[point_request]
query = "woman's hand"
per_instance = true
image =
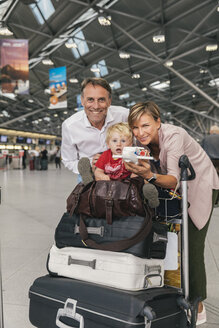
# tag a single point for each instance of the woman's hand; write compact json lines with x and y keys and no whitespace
{"x":142,"y":169}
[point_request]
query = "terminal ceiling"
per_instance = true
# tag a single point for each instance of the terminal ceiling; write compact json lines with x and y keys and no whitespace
{"x":189,"y":96}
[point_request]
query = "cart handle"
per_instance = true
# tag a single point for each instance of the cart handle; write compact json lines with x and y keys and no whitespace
{"x":187,"y":171}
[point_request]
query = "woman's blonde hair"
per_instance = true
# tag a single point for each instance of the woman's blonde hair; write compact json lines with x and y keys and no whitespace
{"x":147,"y":107}
{"x":121,"y":128}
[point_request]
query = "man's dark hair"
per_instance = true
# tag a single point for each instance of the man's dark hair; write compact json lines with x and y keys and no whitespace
{"x":96,"y":81}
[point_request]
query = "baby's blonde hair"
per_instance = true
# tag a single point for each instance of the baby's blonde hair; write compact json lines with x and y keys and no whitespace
{"x":121,"y":128}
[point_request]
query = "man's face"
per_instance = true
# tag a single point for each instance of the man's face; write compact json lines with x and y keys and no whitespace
{"x":96,"y":101}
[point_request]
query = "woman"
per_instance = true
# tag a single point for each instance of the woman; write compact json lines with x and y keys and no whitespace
{"x":167,"y":143}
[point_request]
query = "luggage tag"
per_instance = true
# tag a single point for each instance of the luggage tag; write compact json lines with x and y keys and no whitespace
{"x":171,"y":259}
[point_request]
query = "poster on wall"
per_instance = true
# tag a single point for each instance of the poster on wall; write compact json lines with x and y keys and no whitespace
{"x":79,"y":104}
{"x":14,"y":66}
{"x":58,"y":87}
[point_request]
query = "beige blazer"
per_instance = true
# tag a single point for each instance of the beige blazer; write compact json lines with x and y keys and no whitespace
{"x":174,"y":142}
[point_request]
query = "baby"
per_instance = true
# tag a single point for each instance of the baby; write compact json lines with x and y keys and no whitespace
{"x":118,"y":136}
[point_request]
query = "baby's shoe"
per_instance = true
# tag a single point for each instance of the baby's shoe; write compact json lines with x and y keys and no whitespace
{"x":84,"y":168}
{"x":151,"y":195}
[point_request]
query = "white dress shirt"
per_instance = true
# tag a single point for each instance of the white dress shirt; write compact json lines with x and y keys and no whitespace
{"x":81,"y":139}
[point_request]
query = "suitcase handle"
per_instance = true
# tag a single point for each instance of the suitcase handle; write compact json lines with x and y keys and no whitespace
{"x":69,"y":311}
{"x":91,"y":264}
{"x":91,"y":230}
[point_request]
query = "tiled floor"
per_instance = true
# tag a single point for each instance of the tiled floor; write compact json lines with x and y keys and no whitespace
{"x":32,"y":205}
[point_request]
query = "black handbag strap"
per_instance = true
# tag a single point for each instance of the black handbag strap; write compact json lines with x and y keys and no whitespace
{"x":116,"y":246}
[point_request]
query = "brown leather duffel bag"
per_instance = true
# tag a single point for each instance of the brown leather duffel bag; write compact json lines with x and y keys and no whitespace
{"x":109,"y":199}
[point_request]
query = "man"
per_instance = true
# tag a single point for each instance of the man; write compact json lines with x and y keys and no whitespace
{"x":211,"y":145}
{"x":84,"y":133}
{"x":24,"y":157}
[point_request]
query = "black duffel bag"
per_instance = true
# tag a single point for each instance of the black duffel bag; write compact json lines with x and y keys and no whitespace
{"x":122,"y":232}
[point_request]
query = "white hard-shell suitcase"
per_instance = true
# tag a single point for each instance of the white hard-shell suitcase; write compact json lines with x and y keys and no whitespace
{"x":113,"y":269}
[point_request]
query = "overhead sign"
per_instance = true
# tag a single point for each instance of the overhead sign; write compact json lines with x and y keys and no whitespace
{"x":58,"y":87}
{"x":14,"y":66}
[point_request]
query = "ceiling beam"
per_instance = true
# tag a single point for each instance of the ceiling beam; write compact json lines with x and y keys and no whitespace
{"x":191,"y":32}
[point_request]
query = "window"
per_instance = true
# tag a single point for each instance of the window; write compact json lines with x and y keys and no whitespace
{"x":115,"y":85}
{"x":100,"y":69}
{"x":46,"y":8}
{"x":124,"y":96}
{"x":82,"y":47}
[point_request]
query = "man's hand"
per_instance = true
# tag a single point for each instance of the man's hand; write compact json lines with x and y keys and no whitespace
{"x":94,"y":160}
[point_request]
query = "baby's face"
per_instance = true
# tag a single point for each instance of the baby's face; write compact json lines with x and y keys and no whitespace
{"x":117,"y":142}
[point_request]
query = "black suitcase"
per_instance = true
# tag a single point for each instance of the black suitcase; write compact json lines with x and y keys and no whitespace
{"x":62,"y":302}
{"x":44,"y":164}
{"x":153,"y":246}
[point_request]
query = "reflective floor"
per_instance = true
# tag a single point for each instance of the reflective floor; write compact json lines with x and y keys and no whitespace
{"x":32,"y":205}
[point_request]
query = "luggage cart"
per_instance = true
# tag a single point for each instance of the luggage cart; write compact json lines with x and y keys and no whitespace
{"x":187,"y":174}
{"x":62,"y":302}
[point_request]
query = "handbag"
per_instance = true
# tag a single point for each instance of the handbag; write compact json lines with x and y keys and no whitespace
{"x":109,"y":199}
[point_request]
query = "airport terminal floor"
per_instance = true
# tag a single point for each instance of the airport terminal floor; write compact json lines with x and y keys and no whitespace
{"x":32,"y":205}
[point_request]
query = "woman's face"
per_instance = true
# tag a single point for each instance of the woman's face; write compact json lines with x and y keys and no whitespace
{"x":146,"y":129}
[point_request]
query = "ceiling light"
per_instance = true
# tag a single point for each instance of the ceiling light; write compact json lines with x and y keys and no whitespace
{"x":144,"y":89}
{"x":47,"y":62}
{"x":211,"y":47}
{"x":73,"y":80}
{"x":105,"y":21}
{"x":159,"y":38}
{"x":193,"y":96}
{"x":169,"y":63}
{"x":203,"y":71}
{"x":5,"y":31}
{"x":160,"y":85}
{"x":214,"y":82}
{"x":218,"y":8}
{"x":95,"y":70}
{"x":71,"y":45}
{"x":30,"y":100}
{"x":65,"y":112}
{"x":55,"y":115}
{"x":124,"y":55}
{"x":48,"y":91}
{"x":136,"y":76}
